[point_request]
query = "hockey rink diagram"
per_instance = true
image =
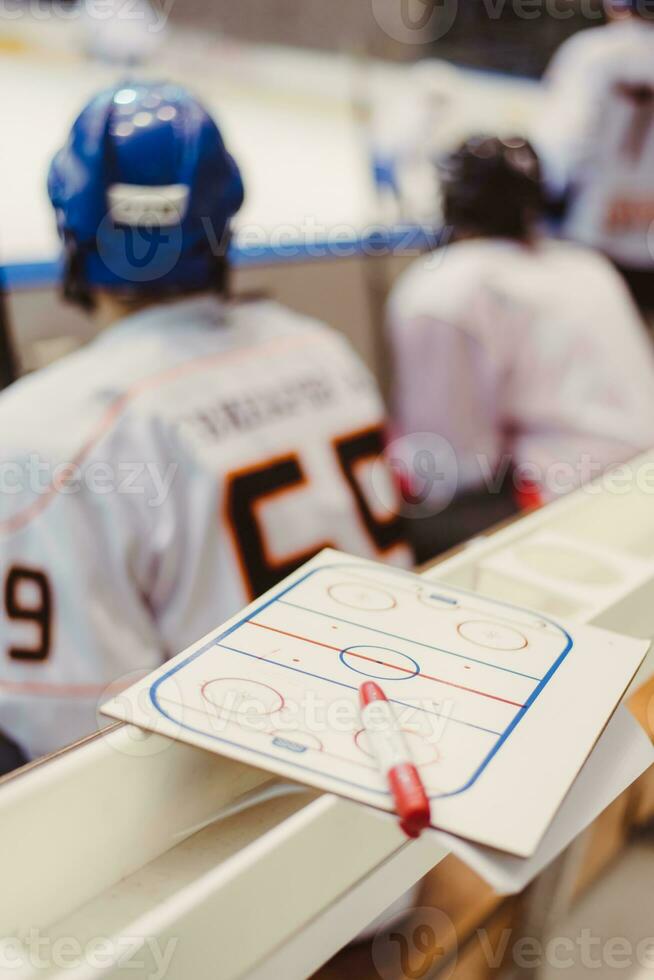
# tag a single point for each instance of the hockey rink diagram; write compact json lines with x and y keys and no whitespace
{"x":283,"y":681}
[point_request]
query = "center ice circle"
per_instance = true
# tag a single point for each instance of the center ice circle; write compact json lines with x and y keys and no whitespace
{"x":380,"y":663}
{"x":236,"y":697}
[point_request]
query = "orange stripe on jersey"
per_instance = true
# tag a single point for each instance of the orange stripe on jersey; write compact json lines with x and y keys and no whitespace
{"x":122,"y":402}
{"x":45,"y":690}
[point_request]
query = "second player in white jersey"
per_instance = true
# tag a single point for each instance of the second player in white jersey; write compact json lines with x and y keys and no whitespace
{"x":519,"y":352}
{"x":530,"y":353}
{"x":194,"y":454}
{"x":596,"y":138}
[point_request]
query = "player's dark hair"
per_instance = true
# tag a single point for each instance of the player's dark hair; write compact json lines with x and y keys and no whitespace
{"x":77,"y":291}
{"x":492,"y":187}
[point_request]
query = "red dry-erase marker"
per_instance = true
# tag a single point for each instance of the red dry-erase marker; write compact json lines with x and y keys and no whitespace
{"x":391,"y":752}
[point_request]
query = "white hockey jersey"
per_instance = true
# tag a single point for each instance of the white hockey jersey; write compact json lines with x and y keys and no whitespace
{"x":157,"y":480}
{"x":529,"y":356}
{"x":596,"y":138}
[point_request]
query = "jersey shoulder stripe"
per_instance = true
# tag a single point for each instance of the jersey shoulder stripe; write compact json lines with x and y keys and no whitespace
{"x":110,"y":416}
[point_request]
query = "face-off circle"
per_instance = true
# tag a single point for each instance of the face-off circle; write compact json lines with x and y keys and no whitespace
{"x":239,"y":697}
{"x":380,"y":663}
{"x":422,"y":752}
{"x":365,"y":597}
{"x":493,"y":636}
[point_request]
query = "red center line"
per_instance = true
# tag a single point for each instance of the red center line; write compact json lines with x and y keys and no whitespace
{"x":374,"y":660}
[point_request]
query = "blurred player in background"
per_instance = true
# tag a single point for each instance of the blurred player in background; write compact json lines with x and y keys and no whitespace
{"x":193,"y":455}
{"x":527,"y":357}
{"x":596,"y":140}
{"x":123,"y":32}
{"x":412,"y":122}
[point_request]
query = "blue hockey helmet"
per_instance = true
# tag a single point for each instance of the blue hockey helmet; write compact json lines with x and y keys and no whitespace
{"x":144,"y":190}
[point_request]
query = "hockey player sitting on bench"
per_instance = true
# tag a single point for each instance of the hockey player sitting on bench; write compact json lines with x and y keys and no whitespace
{"x":194,"y":454}
{"x":526,"y":358}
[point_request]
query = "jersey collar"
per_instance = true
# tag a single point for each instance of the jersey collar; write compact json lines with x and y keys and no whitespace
{"x":204,"y":312}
